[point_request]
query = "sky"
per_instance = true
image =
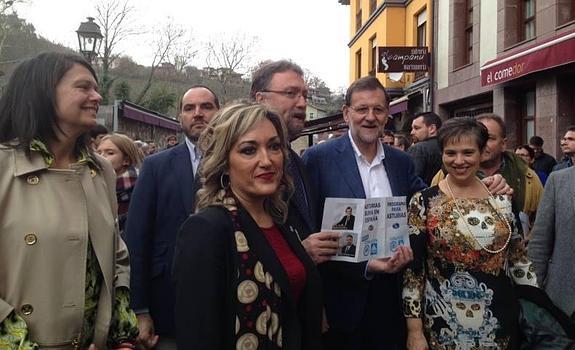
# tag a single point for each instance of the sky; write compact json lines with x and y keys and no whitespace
{"x":312,"y":33}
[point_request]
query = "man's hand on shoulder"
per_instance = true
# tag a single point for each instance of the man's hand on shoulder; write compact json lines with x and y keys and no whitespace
{"x":497,"y":185}
{"x":321,"y":246}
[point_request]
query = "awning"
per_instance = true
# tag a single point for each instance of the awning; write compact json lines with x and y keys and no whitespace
{"x":135,"y":112}
{"x":398,"y":105}
{"x":551,"y":53}
{"x":329,"y":123}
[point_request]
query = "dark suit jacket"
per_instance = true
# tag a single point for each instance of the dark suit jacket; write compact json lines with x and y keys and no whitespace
{"x":426,"y":157}
{"x":345,"y":222}
{"x":162,"y":200}
{"x":350,"y":251}
{"x":332,"y":171}
{"x":300,"y":212}
{"x":205,"y":271}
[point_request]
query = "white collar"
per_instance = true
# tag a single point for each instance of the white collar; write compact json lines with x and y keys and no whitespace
{"x":191,"y":148}
{"x":380,"y":155}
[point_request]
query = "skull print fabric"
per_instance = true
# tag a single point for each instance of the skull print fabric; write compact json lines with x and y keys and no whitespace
{"x":456,"y":284}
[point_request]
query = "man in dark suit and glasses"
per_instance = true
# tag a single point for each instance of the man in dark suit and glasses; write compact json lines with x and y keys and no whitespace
{"x":162,"y":200}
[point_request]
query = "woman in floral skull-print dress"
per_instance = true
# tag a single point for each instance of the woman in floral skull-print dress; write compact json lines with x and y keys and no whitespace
{"x":458,"y":294}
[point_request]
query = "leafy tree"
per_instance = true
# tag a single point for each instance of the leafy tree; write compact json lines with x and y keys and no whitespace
{"x":122,"y":90}
{"x":161,"y":100}
{"x":5,"y":26}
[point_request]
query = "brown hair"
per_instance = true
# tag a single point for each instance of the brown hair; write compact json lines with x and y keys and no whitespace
{"x":127,"y":147}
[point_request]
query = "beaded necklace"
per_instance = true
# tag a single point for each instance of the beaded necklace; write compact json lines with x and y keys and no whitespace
{"x":460,"y":213}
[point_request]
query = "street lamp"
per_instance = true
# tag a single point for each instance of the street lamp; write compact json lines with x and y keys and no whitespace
{"x":89,"y":39}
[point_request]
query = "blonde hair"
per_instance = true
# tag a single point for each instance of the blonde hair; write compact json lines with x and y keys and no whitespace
{"x":216,"y":142}
{"x":127,"y":147}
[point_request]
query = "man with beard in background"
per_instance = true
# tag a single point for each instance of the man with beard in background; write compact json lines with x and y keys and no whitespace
{"x":162,"y":199}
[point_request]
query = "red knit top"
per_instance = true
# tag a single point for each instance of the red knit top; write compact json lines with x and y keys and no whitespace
{"x":290,"y":262}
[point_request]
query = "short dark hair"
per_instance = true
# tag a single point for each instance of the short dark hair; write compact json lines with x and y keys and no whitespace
{"x":198,"y":86}
{"x":362,"y":84}
{"x":263,"y":75}
{"x":457,"y":128}
{"x":28,"y":105}
{"x":536,"y":141}
{"x":528,"y":149}
{"x":349,"y":236}
{"x":387,"y":132}
{"x":495,"y":118}
{"x":99,"y":129}
{"x":570,"y":128}
{"x":430,"y":118}
{"x":403,"y":140}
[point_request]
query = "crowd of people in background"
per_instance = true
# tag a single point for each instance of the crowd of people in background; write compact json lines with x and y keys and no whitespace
{"x":213,"y":241}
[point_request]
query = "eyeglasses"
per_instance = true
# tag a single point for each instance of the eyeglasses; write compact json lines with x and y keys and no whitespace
{"x":364,"y":110}
{"x":291,"y":94}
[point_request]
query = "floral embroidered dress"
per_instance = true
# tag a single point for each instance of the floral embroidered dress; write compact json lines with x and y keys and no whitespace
{"x":457,"y":283}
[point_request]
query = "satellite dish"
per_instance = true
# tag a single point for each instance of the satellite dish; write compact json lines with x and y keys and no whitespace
{"x":395,"y":76}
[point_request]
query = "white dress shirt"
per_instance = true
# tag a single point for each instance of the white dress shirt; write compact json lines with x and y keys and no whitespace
{"x":373,"y":175}
{"x":195,"y":155}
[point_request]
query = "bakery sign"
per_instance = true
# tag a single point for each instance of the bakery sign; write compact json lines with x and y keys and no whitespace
{"x":402,"y":59}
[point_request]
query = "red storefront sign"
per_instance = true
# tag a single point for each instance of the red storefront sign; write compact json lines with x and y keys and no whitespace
{"x":554,"y":52}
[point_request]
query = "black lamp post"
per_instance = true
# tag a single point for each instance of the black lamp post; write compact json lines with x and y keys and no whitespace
{"x":89,"y":39}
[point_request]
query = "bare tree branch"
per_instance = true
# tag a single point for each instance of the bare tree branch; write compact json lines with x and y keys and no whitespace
{"x":166,"y":38}
{"x":228,"y":58}
{"x":183,"y":51}
{"x":115,"y":20}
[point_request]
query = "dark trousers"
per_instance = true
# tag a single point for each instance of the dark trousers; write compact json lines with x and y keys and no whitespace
{"x":382,"y":326}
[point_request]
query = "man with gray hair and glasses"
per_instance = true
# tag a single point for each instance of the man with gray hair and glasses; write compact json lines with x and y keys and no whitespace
{"x":279,"y":86}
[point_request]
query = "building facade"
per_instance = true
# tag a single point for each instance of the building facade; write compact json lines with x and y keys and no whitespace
{"x":383,"y":23}
{"x":514,"y":58}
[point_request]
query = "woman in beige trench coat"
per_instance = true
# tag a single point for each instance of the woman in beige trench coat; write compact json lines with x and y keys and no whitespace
{"x":64,"y":272}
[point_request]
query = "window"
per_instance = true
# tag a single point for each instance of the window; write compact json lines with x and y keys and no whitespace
{"x":421,"y":30}
{"x":358,"y":64}
{"x":372,"y":6}
{"x":421,"y":39}
{"x":358,"y":23}
{"x":528,"y":19}
{"x":462,"y":33}
{"x":565,"y":11}
{"x":372,"y":56}
{"x":519,"y":23}
{"x":528,"y":117}
{"x":468,"y":54}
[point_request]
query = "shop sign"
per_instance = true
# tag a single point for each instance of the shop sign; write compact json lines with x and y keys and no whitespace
{"x":553,"y":53}
{"x":403,"y":59}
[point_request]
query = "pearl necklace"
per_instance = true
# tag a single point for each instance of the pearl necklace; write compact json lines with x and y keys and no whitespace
{"x":502,"y":217}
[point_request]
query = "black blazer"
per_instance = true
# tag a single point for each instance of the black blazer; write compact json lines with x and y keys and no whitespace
{"x":301,"y":214}
{"x":205,"y":275}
